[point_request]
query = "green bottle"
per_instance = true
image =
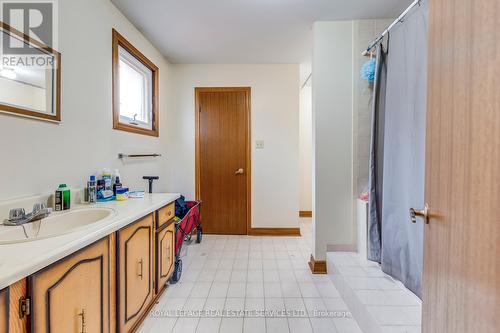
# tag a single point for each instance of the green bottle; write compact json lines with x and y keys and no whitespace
{"x":63,"y":198}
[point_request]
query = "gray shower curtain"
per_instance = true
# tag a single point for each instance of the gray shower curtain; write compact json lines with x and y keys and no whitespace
{"x":404,"y":149}
{"x":377,"y":157}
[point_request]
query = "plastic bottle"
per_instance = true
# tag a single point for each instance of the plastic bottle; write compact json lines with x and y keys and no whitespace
{"x":107,"y":177}
{"x":92,"y":190}
{"x":117,"y":183}
{"x":62,"y":198}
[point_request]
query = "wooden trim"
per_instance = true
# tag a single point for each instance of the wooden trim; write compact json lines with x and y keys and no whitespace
{"x":57,"y":76}
{"x":119,"y":40}
{"x":274,"y":232}
{"x":248,"y":91}
{"x":305,"y":213}
{"x":17,"y":291}
{"x":6,"y":314}
{"x":317,"y":266}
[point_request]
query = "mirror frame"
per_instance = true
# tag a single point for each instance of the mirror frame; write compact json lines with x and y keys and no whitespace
{"x":19,"y":111}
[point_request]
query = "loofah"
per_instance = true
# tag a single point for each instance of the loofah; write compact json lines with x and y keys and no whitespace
{"x":368,"y":70}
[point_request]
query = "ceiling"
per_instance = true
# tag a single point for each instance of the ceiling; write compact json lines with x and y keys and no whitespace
{"x":243,"y":31}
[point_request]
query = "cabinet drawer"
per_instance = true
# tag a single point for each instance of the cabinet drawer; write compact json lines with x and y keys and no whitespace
{"x":73,"y":295}
{"x":135,"y":272}
{"x":165,"y":214}
{"x":164,"y":256}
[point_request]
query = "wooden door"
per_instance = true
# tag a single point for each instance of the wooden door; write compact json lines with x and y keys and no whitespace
{"x":135,"y":277}
{"x":164,"y":255}
{"x":223,"y":158}
{"x":461,"y":278}
{"x":4,"y":310}
{"x":73,"y":295}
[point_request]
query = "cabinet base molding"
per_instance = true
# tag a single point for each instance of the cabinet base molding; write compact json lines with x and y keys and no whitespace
{"x":317,"y":266}
{"x":274,"y":232}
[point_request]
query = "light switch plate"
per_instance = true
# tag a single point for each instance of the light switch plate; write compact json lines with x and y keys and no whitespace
{"x":259,"y":144}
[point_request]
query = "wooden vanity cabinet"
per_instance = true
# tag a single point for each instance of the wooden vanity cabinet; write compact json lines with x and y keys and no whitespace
{"x":4,"y":310}
{"x":135,"y":272}
{"x":74,"y":294}
{"x":165,"y":255}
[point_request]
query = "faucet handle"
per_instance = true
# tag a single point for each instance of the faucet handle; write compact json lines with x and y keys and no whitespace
{"x":38,"y":207}
{"x":16,"y":214}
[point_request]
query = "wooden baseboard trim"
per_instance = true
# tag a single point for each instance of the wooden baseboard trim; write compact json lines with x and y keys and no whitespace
{"x":317,"y":266}
{"x":305,"y":213}
{"x":274,"y":232}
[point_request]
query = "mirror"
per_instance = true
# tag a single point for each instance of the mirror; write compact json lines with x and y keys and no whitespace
{"x":29,"y":80}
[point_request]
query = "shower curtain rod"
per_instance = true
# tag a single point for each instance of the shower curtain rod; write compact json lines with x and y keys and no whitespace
{"x":386,"y":31}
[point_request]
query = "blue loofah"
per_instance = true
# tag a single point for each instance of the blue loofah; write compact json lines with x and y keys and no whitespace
{"x":368,"y":70}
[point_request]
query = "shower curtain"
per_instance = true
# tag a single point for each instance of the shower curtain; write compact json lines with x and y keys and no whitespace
{"x":404,"y":149}
{"x":377,"y":157}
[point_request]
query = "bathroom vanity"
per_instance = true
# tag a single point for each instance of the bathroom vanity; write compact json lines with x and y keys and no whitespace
{"x":100,"y":277}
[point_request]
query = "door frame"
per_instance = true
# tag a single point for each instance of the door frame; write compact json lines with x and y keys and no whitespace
{"x":248,"y":91}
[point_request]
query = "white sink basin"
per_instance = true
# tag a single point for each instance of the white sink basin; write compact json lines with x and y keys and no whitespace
{"x":55,"y":225}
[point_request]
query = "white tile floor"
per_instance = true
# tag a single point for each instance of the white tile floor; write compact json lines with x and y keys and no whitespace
{"x":251,"y":284}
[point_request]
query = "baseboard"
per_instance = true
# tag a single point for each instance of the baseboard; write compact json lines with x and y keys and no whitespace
{"x":305,"y":213}
{"x":317,"y":266}
{"x":274,"y":232}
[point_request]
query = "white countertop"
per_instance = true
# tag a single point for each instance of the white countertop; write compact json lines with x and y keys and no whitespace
{"x":20,"y":260}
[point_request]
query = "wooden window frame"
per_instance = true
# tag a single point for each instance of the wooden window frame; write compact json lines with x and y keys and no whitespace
{"x":119,"y":40}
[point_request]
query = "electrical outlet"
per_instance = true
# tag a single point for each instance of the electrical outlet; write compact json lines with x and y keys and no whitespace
{"x":259,"y":144}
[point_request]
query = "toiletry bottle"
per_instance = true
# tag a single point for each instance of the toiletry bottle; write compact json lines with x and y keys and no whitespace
{"x":100,"y":189}
{"x":117,"y":184}
{"x":92,"y":190}
{"x":107,"y":177}
{"x":62,"y":198}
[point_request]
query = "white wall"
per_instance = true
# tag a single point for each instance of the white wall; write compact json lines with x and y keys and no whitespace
{"x":305,"y":136}
{"x":332,"y":135}
{"x":275,"y":119}
{"x":36,"y":155}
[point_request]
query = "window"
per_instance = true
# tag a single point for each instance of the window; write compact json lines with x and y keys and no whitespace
{"x":135,"y":89}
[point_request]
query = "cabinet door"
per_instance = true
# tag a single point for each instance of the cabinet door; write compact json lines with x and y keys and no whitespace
{"x":135,"y":277}
{"x":73,"y":295}
{"x":4,"y":310}
{"x":164,"y":256}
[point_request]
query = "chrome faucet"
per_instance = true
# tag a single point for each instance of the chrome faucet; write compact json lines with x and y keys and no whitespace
{"x":18,"y":216}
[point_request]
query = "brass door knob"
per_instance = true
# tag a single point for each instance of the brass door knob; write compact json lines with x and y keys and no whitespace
{"x":240,"y":171}
{"x":423,"y":213}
